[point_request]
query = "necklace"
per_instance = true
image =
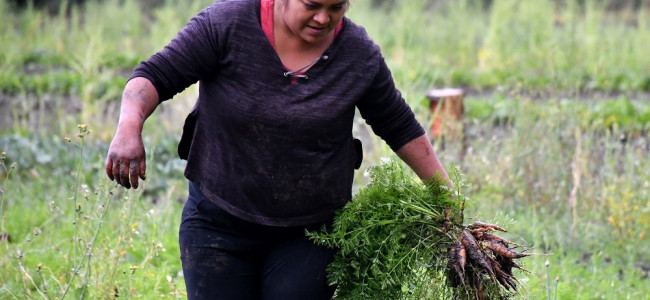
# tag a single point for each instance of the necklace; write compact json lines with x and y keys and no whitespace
{"x":294,"y":73}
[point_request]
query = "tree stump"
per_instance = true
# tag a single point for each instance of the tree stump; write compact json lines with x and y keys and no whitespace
{"x":446,"y":112}
{"x":446,"y":123}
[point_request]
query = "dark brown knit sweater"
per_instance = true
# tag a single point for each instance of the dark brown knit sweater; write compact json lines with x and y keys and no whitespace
{"x":263,"y":148}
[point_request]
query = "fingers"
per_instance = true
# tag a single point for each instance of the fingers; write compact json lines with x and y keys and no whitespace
{"x":124,"y":175}
{"x":126,"y":170}
{"x":109,"y":168}
{"x":134,"y":169}
{"x":119,"y":172}
{"x":115,"y":171}
{"x":143,"y":169}
{"x":126,"y":159}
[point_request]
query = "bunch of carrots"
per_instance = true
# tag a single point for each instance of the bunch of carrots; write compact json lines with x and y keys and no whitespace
{"x":398,"y":235}
{"x":480,"y":253}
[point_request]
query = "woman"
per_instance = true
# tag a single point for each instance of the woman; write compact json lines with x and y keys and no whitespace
{"x":269,"y":144}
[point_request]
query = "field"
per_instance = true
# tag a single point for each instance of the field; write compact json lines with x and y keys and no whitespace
{"x":557,"y":112}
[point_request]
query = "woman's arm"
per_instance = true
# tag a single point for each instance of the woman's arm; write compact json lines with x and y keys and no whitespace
{"x":125,"y":161}
{"x":420,"y":156}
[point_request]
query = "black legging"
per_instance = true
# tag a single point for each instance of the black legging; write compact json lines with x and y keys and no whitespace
{"x":225,"y":257}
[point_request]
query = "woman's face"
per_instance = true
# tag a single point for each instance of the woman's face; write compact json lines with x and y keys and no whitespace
{"x":312,"y":20}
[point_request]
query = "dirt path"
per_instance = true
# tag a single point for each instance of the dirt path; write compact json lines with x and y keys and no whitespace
{"x":43,"y":111}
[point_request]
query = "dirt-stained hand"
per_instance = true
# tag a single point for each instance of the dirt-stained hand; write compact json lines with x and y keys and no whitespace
{"x":125,"y":162}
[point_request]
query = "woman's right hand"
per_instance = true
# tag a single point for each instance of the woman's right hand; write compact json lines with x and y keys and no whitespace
{"x":125,"y":162}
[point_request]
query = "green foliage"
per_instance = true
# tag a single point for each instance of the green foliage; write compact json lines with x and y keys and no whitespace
{"x":621,"y":114}
{"x":544,"y":45}
{"x":527,"y":158}
{"x":73,"y":235}
{"x":575,"y":188}
{"x":389,"y":238}
{"x":38,"y":156}
{"x":58,"y":82}
{"x":566,"y":45}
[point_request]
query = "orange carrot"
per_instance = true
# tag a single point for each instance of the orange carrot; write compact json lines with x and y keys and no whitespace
{"x":489,"y":236}
{"x":479,"y":233}
{"x":475,"y":254}
{"x":462,"y":257}
{"x":503,"y":250}
{"x":457,"y":261}
{"x":478,"y":224}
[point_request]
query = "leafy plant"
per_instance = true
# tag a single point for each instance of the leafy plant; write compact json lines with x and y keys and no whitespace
{"x":393,"y":240}
{"x":87,"y":240}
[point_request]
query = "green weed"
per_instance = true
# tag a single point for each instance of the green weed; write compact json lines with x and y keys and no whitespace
{"x":83,"y":240}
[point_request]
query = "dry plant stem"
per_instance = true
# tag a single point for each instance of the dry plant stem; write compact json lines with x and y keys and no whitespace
{"x":121,"y":238}
{"x":23,"y":274}
{"x":151,"y":253}
{"x":44,"y":281}
{"x":116,"y":260}
{"x":77,"y":266}
{"x":31,"y":280}
{"x":77,"y":208}
{"x":460,"y":196}
{"x":133,"y":269}
{"x":576,"y":170}
{"x":14,"y":296}
{"x":92,"y":244}
{"x":88,"y":254}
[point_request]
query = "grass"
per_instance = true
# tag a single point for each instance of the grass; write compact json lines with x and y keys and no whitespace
{"x":565,"y":171}
{"x":574,"y":190}
{"x":534,"y":43}
{"x":84,"y":236}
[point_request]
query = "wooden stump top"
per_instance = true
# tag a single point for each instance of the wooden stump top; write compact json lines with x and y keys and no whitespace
{"x":437,"y":94}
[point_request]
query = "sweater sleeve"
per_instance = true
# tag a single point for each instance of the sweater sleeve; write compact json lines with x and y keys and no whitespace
{"x":384,"y":109}
{"x":190,"y":56}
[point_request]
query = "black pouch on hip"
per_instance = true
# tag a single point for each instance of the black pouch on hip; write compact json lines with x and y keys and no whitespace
{"x":188,"y":133}
{"x":358,"y":148}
